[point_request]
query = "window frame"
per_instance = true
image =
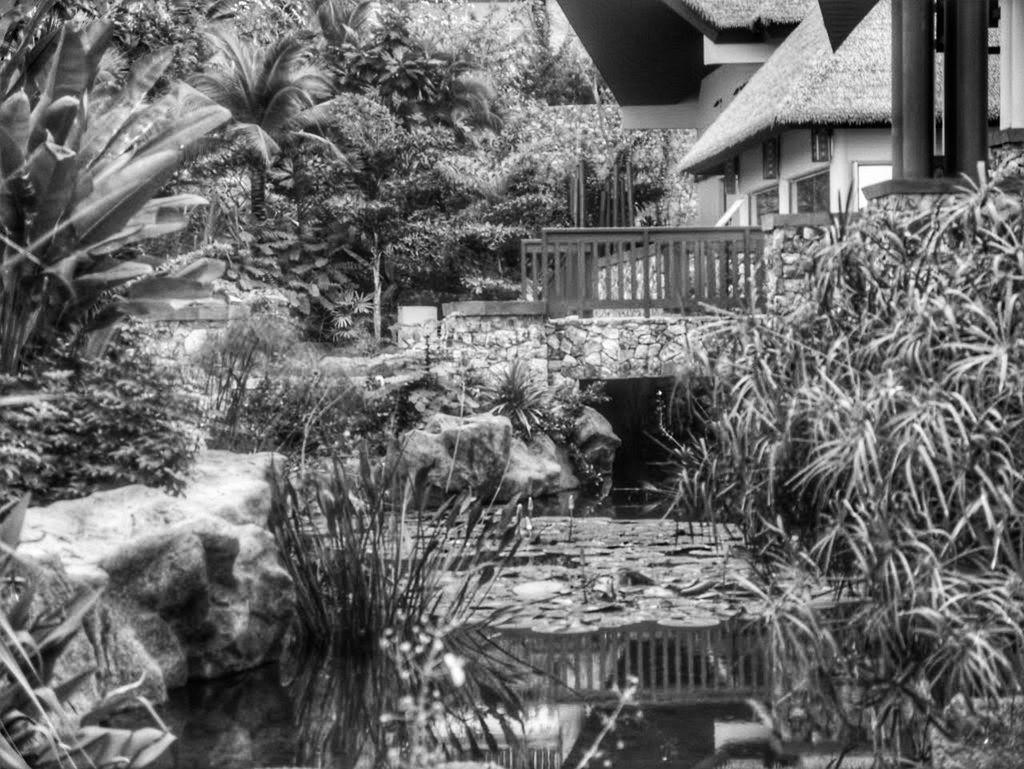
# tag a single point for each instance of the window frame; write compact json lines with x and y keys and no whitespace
{"x":794,"y":198}
{"x":755,"y":219}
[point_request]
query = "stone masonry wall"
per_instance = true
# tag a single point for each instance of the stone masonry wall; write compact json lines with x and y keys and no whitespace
{"x":572,"y":348}
{"x":789,"y":265}
{"x":485,"y":344}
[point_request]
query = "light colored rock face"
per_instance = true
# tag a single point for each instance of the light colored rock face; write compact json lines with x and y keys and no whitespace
{"x":481,"y":453}
{"x":193,"y":585}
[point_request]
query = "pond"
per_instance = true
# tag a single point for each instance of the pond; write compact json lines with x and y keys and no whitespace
{"x":691,"y":701}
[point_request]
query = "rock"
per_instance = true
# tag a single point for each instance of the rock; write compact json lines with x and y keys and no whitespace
{"x":597,"y":441}
{"x":453,"y":454}
{"x":194,"y":586}
{"x":458,"y":453}
{"x":533,"y":469}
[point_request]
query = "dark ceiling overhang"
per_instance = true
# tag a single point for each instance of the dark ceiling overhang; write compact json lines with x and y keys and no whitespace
{"x":646,"y":52}
{"x":843,"y":16}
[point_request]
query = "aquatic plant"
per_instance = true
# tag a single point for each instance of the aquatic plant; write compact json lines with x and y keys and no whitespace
{"x":871,"y":443}
{"x":386,"y":588}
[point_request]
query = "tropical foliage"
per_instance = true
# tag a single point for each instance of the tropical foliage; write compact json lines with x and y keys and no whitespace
{"x":83,"y":160}
{"x":270,"y":92}
{"x":870,"y":444}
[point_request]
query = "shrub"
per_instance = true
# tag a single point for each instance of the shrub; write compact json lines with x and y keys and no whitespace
{"x":119,"y":419}
{"x":875,"y":435}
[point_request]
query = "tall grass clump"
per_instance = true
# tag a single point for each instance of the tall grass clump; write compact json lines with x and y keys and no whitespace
{"x":870,"y":442}
{"x":391,"y":592}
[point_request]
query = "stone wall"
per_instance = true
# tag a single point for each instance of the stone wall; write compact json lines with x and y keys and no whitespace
{"x":789,"y":265}
{"x":484,"y":338}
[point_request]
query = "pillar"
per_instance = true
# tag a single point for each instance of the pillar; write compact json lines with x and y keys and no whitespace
{"x":965,"y":113}
{"x":915,"y":75}
{"x":897,"y":90}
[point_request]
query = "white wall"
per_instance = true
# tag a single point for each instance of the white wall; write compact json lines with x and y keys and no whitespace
{"x":1011,"y":53}
{"x":850,"y":147}
{"x":710,"y":194}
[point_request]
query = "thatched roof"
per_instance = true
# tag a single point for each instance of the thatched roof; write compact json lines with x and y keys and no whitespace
{"x":749,"y":14}
{"x":805,"y":84}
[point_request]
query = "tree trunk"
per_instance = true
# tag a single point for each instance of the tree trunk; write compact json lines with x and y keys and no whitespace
{"x":258,"y":191}
{"x":376,"y":295}
{"x":300,"y":197}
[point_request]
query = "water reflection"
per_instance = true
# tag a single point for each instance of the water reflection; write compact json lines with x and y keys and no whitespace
{"x":312,"y":712}
{"x":620,"y":503}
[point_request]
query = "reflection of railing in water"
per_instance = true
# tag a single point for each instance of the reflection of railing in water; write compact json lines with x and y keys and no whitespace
{"x":528,"y":758}
{"x":671,"y":664}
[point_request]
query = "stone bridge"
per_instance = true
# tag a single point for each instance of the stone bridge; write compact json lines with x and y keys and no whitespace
{"x":483,"y":337}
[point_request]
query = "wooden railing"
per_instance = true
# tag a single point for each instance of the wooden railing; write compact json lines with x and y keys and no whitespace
{"x":670,"y":664}
{"x":642,"y":269}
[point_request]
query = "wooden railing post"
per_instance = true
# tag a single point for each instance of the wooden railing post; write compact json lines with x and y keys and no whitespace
{"x":645,"y":255}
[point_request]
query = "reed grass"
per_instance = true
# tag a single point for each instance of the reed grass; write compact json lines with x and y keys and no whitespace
{"x":386,"y":588}
{"x":871,"y":444}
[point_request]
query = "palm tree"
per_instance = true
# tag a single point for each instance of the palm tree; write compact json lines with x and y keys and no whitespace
{"x":271,"y":92}
{"x":344,"y":22}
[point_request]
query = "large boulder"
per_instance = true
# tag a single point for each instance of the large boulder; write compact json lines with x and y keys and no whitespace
{"x":481,"y":453}
{"x":193,"y":586}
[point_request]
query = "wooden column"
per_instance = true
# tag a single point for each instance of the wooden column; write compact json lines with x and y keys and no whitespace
{"x":966,"y":85}
{"x":917,"y":86}
{"x":897,"y":90}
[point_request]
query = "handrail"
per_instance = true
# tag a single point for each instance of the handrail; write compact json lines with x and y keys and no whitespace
{"x":676,"y":269}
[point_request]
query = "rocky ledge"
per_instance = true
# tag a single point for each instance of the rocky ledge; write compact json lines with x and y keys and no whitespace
{"x":193,"y":587}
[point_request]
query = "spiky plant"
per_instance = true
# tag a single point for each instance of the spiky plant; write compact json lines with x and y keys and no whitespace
{"x":393,"y":588}
{"x":873,"y":439}
{"x":516,"y":394}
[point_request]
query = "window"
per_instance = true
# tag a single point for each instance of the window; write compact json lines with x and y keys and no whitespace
{"x":763,"y":203}
{"x":732,"y":174}
{"x":821,"y":145}
{"x":811,"y":194}
{"x":770,"y":158}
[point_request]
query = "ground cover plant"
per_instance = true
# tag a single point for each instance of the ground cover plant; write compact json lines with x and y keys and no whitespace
{"x":870,"y":444}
